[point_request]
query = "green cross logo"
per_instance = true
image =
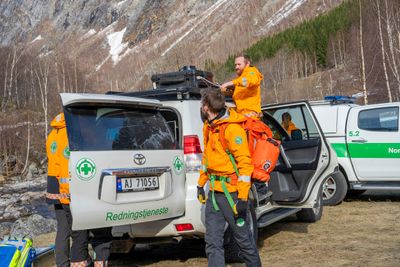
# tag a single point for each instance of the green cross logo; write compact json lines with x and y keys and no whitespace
{"x":239,"y":140}
{"x":85,"y":169}
{"x":66,"y":152}
{"x":178,"y":165}
{"x":53,"y":147}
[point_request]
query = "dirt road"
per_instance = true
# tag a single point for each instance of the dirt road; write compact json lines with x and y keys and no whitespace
{"x":361,"y":231}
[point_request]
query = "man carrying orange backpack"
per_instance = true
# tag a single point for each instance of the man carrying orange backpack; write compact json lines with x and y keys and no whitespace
{"x":228,"y":171}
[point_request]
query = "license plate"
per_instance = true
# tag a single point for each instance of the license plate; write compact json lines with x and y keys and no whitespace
{"x":137,"y":184}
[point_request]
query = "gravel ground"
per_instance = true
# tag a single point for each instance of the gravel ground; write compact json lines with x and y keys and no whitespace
{"x":361,"y":231}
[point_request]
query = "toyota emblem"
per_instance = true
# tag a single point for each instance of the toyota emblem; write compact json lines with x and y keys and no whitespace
{"x":139,"y":159}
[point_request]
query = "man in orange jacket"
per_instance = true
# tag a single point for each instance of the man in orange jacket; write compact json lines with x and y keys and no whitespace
{"x":247,"y":97}
{"x":58,"y":194}
{"x":246,"y":92}
{"x":229,"y":174}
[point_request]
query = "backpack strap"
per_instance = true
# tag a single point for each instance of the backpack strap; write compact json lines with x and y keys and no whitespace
{"x":222,"y":129}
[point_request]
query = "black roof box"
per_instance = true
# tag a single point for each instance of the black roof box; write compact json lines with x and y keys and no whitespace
{"x":184,"y":84}
{"x":185,"y":77}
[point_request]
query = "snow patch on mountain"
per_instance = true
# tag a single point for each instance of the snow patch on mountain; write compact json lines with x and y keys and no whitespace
{"x":285,"y":11}
{"x":38,"y":38}
{"x":88,"y":34}
{"x":206,"y":14}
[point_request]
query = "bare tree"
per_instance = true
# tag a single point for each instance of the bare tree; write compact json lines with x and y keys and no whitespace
{"x":27,"y":146}
{"x":42,"y":75}
{"x":363,"y":80}
{"x":394,"y":63}
{"x":381,"y":41}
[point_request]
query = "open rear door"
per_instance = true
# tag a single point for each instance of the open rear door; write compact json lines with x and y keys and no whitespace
{"x":126,"y":165}
{"x":305,"y":154}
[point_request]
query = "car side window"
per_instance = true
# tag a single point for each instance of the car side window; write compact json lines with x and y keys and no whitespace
{"x":379,"y":119}
{"x":277,"y":134}
{"x":297,"y":121}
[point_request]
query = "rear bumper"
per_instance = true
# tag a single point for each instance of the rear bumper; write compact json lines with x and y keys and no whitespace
{"x":194,"y":214}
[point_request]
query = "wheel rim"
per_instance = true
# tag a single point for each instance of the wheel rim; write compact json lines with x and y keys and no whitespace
{"x":329,"y":188}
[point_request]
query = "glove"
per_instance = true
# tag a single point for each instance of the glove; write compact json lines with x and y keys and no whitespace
{"x":201,"y":195}
{"x":241,"y":209}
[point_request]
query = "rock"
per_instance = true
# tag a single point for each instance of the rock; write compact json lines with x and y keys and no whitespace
{"x":6,"y":216}
{"x":9,"y":208}
{"x":5,"y":228}
{"x":33,"y":226}
{"x":29,"y":175}
{"x":33,"y":168}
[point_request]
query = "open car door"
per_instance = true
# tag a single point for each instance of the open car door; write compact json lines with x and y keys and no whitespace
{"x":126,"y":165}
{"x":305,"y":156}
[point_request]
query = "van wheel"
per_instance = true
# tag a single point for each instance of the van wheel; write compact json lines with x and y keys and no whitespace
{"x":230,"y":245}
{"x":313,"y":214}
{"x":334,"y":189}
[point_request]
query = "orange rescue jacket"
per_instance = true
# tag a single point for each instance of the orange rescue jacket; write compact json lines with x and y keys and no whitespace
{"x":216,"y":160}
{"x":290,"y":127}
{"x":247,"y":91}
{"x":58,"y":155}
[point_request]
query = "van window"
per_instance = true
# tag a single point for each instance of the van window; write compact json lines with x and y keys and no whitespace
{"x":109,"y":128}
{"x":297,"y":121}
{"x":379,"y":119}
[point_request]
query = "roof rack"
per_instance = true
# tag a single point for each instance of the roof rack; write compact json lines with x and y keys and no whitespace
{"x":179,"y":93}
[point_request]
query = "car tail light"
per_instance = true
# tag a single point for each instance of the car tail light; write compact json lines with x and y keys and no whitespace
{"x":193,"y":153}
{"x":184,"y":227}
{"x":191,"y":144}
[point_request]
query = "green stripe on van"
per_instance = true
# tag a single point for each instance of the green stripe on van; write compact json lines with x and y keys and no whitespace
{"x":372,"y":150}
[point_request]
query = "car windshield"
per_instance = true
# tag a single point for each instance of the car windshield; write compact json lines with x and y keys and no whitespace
{"x":110,"y":128}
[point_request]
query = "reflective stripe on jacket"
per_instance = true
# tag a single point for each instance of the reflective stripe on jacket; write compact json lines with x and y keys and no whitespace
{"x":216,"y":161}
{"x":58,"y":155}
{"x":247,"y":91}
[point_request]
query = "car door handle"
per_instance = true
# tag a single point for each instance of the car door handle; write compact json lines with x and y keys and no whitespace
{"x":361,"y":140}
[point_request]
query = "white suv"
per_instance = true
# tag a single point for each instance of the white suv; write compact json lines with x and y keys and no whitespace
{"x":135,"y":157}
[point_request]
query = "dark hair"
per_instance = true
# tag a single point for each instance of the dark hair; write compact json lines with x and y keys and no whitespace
{"x":214,"y":99}
{"x":246,"y":57}
{"x":286,"y":114}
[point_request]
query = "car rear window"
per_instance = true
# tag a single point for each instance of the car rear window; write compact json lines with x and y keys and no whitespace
{"x":109,"y":128}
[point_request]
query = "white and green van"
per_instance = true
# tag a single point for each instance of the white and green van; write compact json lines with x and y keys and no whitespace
{"x":367,"y":143}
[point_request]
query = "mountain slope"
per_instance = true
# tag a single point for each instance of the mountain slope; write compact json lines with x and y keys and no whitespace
{"x":123,"y":42}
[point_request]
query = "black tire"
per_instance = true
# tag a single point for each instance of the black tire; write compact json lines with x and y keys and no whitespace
{"x":313,"y":214}
{"x":334,"y":189}
{"x":230,"y":245}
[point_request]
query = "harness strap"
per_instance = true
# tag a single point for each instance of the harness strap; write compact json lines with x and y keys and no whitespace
{"x":212,"y":180}
{"x":228,"y":196}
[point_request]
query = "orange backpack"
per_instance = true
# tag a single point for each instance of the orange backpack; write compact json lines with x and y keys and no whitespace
{"x":264,"y":150}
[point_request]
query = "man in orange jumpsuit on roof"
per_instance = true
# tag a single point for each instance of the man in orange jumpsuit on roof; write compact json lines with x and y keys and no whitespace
{"x":247,"y":97}
{"x":246,"y":92}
